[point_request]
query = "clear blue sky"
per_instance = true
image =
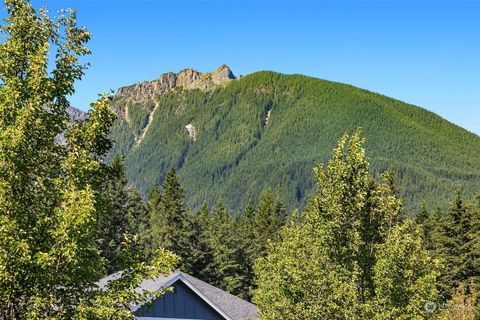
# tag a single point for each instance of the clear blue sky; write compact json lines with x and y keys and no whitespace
{"x":422,"y":52}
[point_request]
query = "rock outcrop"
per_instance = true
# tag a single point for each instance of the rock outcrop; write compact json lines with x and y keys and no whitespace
{"x":143,"y":93}
{"x":192,"y":133}
{"x":267,"y":117}
{"x":185,"y":79}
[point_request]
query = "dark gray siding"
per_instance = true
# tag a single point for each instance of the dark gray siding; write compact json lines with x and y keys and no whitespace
{"x":181,"y":303}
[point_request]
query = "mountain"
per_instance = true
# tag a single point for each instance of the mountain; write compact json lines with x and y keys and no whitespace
{"x":231,"y":137}
{"x":74,"y":115}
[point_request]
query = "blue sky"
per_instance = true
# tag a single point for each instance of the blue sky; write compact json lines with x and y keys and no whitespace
{"x":422,"y":52}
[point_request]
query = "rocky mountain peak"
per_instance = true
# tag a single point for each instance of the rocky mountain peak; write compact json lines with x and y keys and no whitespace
{"x":222,"y":74}
{"x":186,"y":79}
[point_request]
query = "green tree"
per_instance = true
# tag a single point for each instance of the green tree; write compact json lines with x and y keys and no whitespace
{"x":169,"y":220}
{"x":154,"y":232}
{"x":224,"y":244}
{"x":138,"y":220}
{"x":268,"y":218}
{"x":255,"y":228}
{"x":174,"y":213}
{"x":405,"y":275}
{"x":244,"y":226}
{"x":352,"y":213}
{"x":455,"y":242}
{"x":432,"y":225}
{"x":121,"y":213}
{"x":324,"y":265}
{"x":296,"y":281}
{"x":473,"y":245}
{"x":423,"y":215}
{"x":201,"y":253}
{"x":49,"y":259}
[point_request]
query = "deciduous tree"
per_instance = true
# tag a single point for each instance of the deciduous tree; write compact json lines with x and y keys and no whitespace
{"x":325,"y":264}
{"x":49,"y":259}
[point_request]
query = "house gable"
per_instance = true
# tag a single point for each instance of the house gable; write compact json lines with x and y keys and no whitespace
{"x":207,"y":302}
{"x":181,"y":303}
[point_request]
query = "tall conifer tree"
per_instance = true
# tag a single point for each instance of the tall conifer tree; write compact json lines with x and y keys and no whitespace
{"x":201,"y":253}
{"x":244,"y":225}
{"x":169,"y":221}
{"x":113,"y":216}
{"x":455,"y":242}
{"x":153,"y":235}
{"x":268,"y":218}
{"x":224,"y":243}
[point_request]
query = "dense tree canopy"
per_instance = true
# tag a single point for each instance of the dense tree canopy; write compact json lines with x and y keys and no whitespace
{"x":453,"y":237}
{"x":49,"y":192}
{"x":235,"y":155}
{"x":335,"y":261}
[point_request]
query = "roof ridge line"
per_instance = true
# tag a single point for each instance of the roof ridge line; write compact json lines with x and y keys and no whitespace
{"x":197,"y":291}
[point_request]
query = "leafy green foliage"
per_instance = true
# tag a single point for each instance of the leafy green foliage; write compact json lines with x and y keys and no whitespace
{"x":268,"y":218}
{"x":237,"y":154}
{"x":342,"y":257}
{"x":403,"y":275}
{"x":49,"y":192}
{"x":214,"y":245}
{"x":115,"y":301}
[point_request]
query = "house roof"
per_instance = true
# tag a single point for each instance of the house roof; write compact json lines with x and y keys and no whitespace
{"x":229,"y":306}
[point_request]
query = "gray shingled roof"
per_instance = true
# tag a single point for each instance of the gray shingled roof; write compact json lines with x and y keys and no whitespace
{"x":232,"y":306}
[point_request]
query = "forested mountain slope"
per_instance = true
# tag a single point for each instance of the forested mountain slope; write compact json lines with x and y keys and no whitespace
{"x":230,"y":138}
